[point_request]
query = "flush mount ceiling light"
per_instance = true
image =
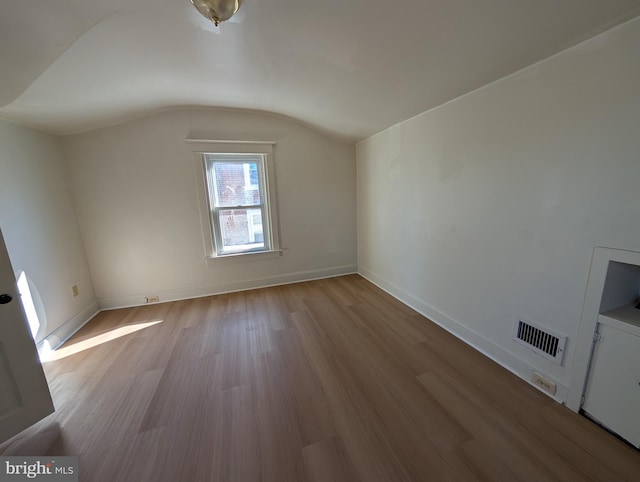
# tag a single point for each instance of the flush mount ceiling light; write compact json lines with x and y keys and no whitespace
{"x":217,"y":10}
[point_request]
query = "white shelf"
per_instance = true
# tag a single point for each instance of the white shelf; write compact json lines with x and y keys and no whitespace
{"x":626,"y":318}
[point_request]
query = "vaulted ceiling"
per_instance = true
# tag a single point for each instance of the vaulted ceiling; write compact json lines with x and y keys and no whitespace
{"x":348,"y":67}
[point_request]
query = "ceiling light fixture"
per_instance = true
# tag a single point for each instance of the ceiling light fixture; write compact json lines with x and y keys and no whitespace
{"x":217,"y":10}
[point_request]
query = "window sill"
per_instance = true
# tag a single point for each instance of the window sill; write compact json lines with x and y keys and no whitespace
{"x":249,"y":256}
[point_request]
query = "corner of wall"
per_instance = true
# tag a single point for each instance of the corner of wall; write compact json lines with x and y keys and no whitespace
{"x":67,"y":329}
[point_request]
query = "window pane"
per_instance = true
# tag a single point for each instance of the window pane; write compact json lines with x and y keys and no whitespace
{"x":238,"y":203}
{"x":241,"y":230}
{"x":236,"y":184}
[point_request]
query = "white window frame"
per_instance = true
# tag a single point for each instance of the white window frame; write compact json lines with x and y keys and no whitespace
{"x":211,"y":159}
{"x":210,"y":233}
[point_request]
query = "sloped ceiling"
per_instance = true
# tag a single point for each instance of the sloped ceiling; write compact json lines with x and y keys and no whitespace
{"x":348,"y":67}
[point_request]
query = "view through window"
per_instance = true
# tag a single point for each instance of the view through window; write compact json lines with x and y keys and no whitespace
{"x":238,"y":202}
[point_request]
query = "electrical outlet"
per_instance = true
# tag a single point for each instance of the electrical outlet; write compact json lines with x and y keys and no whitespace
{"x":544,"y":383}
{"x":152,"y":299}
{"x":75,"y":291}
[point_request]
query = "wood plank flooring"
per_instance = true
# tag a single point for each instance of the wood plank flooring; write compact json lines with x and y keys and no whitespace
{"x":328,"y":380}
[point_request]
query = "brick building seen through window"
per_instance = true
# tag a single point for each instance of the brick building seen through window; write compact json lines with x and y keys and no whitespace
{"x":238,"y":202}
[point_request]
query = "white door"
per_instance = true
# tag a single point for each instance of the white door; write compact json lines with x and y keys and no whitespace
{"x":24,"y":393}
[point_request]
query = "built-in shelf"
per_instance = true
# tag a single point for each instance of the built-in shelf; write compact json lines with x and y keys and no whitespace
{"x":626,"y":318}
{"x":612,"y":394}
{"x":612,"y":292}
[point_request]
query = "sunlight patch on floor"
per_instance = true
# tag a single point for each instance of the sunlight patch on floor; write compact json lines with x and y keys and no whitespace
{"x":48,"y":355}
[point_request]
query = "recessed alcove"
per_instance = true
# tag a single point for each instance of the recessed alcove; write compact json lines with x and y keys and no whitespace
{"x":605,"y":384}
{"x":621,"y":286}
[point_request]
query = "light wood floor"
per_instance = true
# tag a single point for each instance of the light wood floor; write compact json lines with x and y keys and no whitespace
{"x":329,"y":380}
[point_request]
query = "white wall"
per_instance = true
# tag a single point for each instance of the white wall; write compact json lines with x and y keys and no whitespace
{"x":488,"y":208}
{"x":135,"y":191}
{"x":40,"y":229}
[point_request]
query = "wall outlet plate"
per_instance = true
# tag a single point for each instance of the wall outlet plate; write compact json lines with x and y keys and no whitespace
{"x":544,"y":383}
{"x":152,"y":299}
{"x":75,"y":291}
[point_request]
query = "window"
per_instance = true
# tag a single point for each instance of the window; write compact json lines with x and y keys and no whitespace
{"x":238,"y":202}
{"x":236,"y":199}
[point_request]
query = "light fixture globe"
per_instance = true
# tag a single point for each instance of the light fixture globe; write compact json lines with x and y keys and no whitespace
{"x":217,"y":10}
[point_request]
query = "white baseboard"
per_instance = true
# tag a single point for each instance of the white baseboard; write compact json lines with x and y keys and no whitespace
{"x":485,"y":346}
{"x":65,"y":331}
{"x":490,"y":349}
{"x":198,"y":292}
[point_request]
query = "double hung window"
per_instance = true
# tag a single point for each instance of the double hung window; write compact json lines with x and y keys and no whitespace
{"x":237,"y":199}
{"x":239,"y":207}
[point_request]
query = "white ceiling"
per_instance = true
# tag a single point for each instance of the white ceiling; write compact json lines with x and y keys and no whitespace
{"x":348,"y":67}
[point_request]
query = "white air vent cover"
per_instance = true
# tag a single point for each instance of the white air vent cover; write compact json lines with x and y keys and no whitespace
{"x":541,"y":340}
